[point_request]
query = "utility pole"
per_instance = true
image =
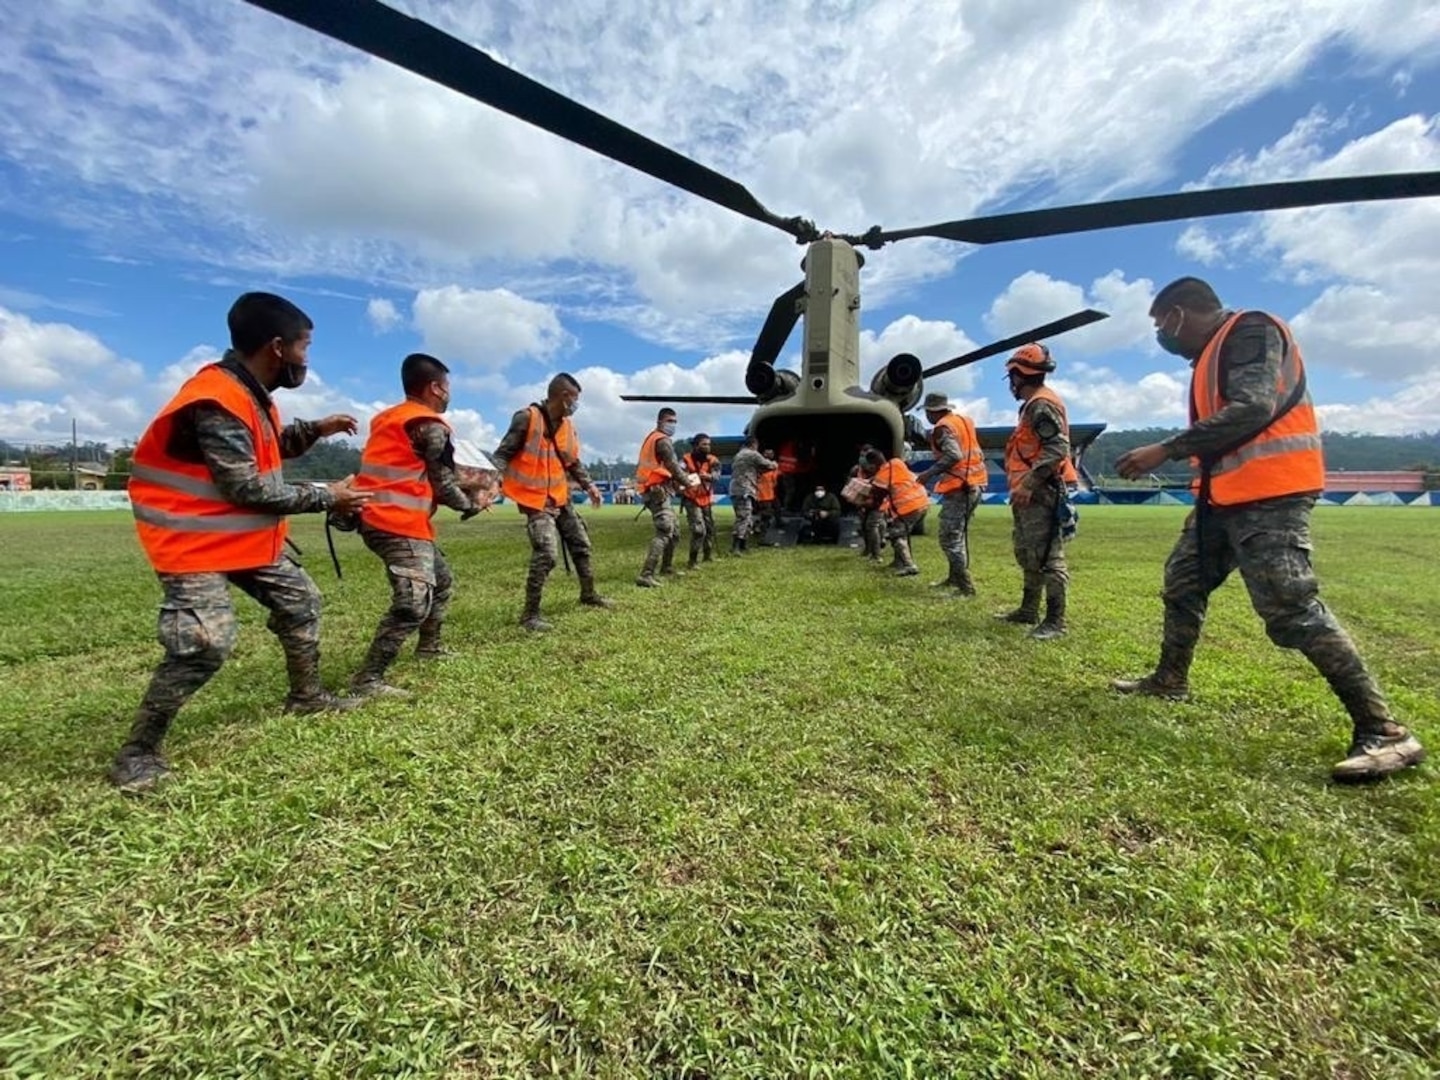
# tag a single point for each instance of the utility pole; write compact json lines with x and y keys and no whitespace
{"x":74,"y":457}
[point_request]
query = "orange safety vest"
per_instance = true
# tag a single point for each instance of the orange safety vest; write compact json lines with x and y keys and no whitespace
{"x":185,"y":525}
{"x":765,"y":485}
{"x":969,"y":471}
{"x":1284,"y":459}
{"x":903,"y":493}
{"x":788,"y":458}
{"x":649,"y":473}
{"x":706,"y":468}
{"x":390,"y":467}
{"x":1022,"y":449}
{"x":536,"y":476}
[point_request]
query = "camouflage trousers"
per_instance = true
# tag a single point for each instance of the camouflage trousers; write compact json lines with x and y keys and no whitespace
{"x":547,"y":530}
{"x":420,"y":590}
{"x":744,"y":514}
{"x":1269,"y":543}
{"x":956,"y":510}
{"x":197,"y":628}
{"x":898,"y":530}
{"x":1039,"y":551}
{"x":661,"y":551}
{"x":701,"y":520}
{"x":872,"y":528}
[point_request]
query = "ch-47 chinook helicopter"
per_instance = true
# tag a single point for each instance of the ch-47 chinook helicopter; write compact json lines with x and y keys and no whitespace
{"x":826,"y":404}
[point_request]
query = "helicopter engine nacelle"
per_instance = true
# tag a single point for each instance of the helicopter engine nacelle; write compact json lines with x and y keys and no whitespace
{"x":901,"y":380}
{"x":768,"y":383}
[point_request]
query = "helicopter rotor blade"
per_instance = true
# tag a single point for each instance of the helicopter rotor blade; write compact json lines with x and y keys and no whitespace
{"x":418,"y":47}
{"x":1014,"y":341}
{"x":691,"y":399}
{"x":1149,"y":209}
{"x":784,"y":314}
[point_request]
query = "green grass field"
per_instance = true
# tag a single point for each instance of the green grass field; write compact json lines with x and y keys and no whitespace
{"x":790,"y":817}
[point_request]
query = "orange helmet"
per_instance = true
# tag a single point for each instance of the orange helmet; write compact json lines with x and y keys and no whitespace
{"x":1032,"y":359}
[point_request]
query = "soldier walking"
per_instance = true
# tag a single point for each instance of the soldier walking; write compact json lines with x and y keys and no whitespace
{"x":1255,"y":442}
{"x":539,"y":458}
{"x":658,"y":475}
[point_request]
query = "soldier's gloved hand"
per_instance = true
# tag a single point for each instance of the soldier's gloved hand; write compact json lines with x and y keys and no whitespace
{"x":691,"y":480}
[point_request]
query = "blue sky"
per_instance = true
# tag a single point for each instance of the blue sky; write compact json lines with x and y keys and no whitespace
{"x":158,"y":158}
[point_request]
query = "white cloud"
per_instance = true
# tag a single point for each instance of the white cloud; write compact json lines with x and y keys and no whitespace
{"x":383,"y":315}
{"x":1034,"y":298}
{"x":130,"y":123}
{"x":43,"y":356}
{"x":488,"y":328}
{"x":1376,"y":314}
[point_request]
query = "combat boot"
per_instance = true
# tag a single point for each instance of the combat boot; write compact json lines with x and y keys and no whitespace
{"x":965,"y":584}
{"x":709,"y":555}
{"x":694,"y":561}
{"x":368,"y":686}
{"x":530,"y":618}
{"x":1054,"y":624}
{"x":307,"y":695}
{"x":647,"y":581}
{"x":135,"y":769}
{"x":1028,"y":613}
{"x":949,"y":581}
{"x":429,"y":646}
{"x":591,"y":598}
{"x":1378,"y":754}
{"x":1169,"y":680}
{"x":138,"y":766}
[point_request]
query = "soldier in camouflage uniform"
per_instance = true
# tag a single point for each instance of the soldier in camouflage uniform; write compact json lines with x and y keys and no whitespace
{"x":660,"y":475}
{"x":745,"y":470}
{"x":699,"y":501}
{"x":1254,"y":436}
{"x":397,"y":525}
{"x":1038,"y":466}
{"x":541,"y":434}
{"x":209,"y":515}
{"x":960,"y":470}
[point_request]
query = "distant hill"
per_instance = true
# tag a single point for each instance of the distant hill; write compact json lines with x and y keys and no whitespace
{"x":1346,"y":451}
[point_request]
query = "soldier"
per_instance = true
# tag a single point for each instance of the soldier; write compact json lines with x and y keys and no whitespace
{"x":747,"y":469}
{"x":700,"y":499}
{"x":900,"y":498}
{"x":961,"y":468}
{"x":408,"y":465}
{"x":1038,"y":466}
{"x":658,"y":475}
{"x":1255,"y":442}
{"x":872,"y":522}
{"x":539,"y":457}
{"x":210,"y":502}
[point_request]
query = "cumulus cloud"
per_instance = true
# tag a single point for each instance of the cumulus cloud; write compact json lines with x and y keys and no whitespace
{"x":383,"y":315}
{"x":1034,"y":298}
{"x":488,"y":328}
{"x":130,"y":124}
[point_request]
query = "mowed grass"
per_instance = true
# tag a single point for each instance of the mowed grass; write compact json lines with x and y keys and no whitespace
{"x":789,"y":817}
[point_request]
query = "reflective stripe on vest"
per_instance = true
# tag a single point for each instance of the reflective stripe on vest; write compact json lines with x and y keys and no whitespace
{"x":903,"y":493}
{"x":969,"y":471}
{"x":701,"y":494}
{"x":536,"y":476}
{"x":1023,"y":447}
{"x":648,"y":472}
{"x":185,"y":524}
{"x":1286,"y":457}
{"x":395,"y":474}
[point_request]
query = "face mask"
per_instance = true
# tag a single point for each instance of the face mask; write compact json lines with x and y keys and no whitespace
{"x":292,"y":376}
{"x":668,"y":427}
{"x":1170,"y":342}
{"x":443,"y":404}
{"x":820,"y":493}
{"x":571,"y":408}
